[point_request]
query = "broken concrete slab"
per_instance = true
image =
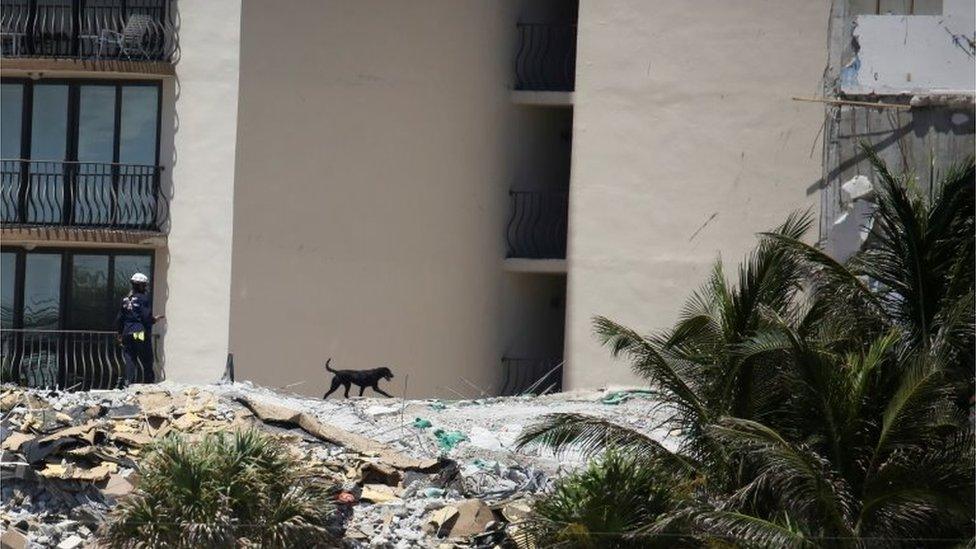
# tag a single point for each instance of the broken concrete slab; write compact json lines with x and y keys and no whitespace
{"x":439,"y":522}
{"x":71,"y":542}
{"x":357,"y":443}
{"x":84,"y":433}
{"x":71,"y":471}
{"x":379,"y":493}
{"x":857,"y":188}
{"x":117,"y":486}
{"x":137,"y":440}
{"x":379,"y":473}
{"x":473,"y":517}
{"x":16,"y":440}
{"x":13,"y":539}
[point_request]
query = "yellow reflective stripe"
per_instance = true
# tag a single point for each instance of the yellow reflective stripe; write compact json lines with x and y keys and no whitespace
{"x":139,"y":336}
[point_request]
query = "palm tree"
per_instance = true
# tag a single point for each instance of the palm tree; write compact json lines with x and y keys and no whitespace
{"x":818,"y":403}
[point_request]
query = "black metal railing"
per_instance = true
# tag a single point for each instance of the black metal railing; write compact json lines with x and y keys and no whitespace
{"x":537,"y":228}
{"x":532,"y":376}
{"x":131,"y":30}
{"x":81,"y":194}
{"x":546,"y":58}
{"x":66,"y":359}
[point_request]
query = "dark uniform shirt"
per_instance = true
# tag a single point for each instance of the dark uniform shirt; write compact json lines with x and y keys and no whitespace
{"x":135,"y":315}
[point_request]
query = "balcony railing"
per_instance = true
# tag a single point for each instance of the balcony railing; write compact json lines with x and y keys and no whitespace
{"x":537,"y":228}
{"x":532,"y":376}
{"x":131,"y":30}
{"x":81,"y":194}
{"x":546,"y":59}
{"x":65,"y":359}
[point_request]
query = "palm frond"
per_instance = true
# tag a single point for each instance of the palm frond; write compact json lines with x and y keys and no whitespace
{"x":801,"y":479}
{"x":751,"y":531}
{"x":648,"y":362}
{"x":763,"y":342}
{"x":591,"y":436}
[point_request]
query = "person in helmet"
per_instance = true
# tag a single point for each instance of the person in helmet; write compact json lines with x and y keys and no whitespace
{"x":135,"y":322}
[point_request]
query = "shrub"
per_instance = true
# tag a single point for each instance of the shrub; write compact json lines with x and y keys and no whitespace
{"x":226,"y":490}
{"x":602,"y":505}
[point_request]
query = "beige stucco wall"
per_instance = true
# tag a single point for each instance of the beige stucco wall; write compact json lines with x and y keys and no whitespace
{"x":377,"y":143}
{"x":686,"y":143}
{"x":198,"y":143}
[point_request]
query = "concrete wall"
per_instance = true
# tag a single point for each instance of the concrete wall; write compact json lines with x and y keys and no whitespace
{"x":914,"y":53}
{"x":198,"y":143}
{"x":686,"y":143}
{"x":377,"y":143}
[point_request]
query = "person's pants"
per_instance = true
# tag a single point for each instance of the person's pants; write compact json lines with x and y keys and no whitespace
{"x":138,"y":358}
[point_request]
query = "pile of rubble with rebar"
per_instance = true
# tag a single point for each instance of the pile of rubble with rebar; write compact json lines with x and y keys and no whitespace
{"x":408,"y":472}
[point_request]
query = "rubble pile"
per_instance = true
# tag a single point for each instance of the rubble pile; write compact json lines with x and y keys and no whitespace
{"x":408,"y":472}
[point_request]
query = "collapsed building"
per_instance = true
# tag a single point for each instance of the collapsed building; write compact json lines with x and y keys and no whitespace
{"x":405,"y":472}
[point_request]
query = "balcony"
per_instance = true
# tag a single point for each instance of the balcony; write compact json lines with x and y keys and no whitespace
{"x":537,"y":228}
{"x":531,"y":376}
{"x":546,"y":58}
{"x":65,"y":359}
{"x":81,"y":195}
{"x":117,"y":30}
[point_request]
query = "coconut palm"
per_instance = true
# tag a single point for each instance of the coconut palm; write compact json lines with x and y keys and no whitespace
{"x":818,"y":403}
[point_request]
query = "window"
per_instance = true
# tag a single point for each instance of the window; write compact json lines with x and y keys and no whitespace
{"x":90,"y":121}
{"x":80,"y":152}
{"x":67,"y":289}
{"x":896,"y":7}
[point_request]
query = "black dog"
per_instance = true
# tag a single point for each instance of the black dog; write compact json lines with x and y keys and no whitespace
{"x":362,"y":378}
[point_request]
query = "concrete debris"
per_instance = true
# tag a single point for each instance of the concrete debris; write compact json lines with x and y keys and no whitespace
{"x":441,"y":521}
{"x":68,"y":458}
{"x":472,"y":518}
{"x":857,"y":188}
{"x":379,"y":493}
{"x":13,"y":539}
{"x":117,"y":486}
{"x":323,"y":431}
{"x":71,"y":542}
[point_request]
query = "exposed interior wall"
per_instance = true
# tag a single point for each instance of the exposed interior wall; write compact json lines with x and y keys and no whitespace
{"x":890,"y":56}
{"x":686,"y":143}
{"x":377,"y":145}
{"x":914,"y":53}
{"x":198,"y":143}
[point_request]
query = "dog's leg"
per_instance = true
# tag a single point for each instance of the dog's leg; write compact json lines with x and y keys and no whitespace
{"x":376,"y":387}
{"x":362,"y":388}
{"x":347,"y":389}
{"x":335,"y":385}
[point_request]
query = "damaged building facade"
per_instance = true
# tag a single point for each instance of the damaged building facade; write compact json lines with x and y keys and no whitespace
{"x":450,"y":189}
{"x":918,"y":60}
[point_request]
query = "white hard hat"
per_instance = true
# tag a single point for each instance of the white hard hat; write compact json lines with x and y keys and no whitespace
{"x":140,"y":278}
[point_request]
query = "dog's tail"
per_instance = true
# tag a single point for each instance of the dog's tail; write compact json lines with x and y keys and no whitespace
{"x":327,"y":365}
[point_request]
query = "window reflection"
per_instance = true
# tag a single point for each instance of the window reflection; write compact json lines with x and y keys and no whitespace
{"x":11,"y":105}
{"x":49,"y":140}
{"x":42,"y":291}
{"x":89,"y":308}
{"x":96,"y":143}
{"x":8,"y":273}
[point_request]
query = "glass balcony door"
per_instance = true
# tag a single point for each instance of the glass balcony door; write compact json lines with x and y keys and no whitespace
{"x":80,"y":152}
{"x":58,"y":314}
{"x":67,"y":289}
